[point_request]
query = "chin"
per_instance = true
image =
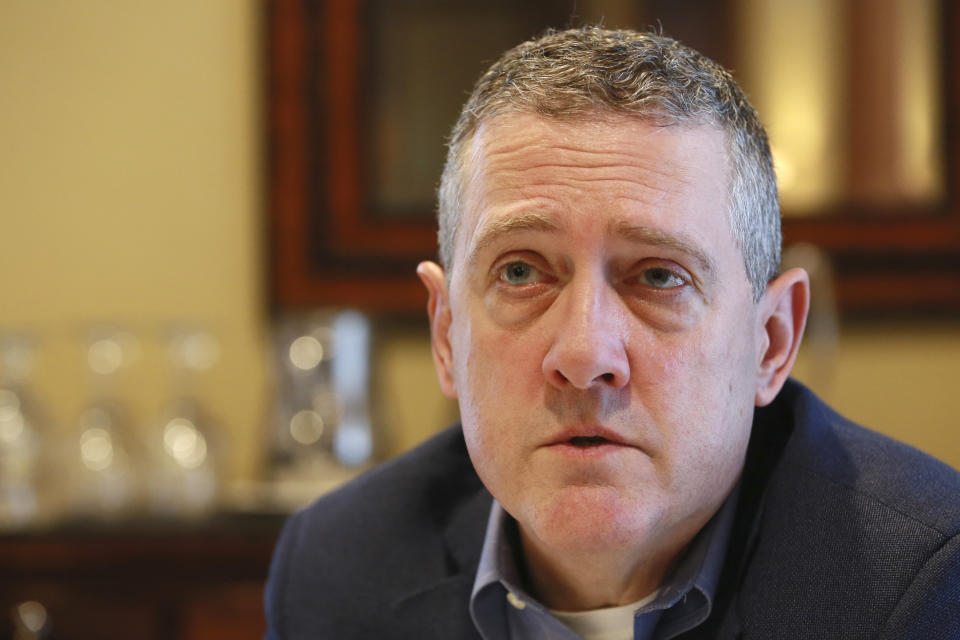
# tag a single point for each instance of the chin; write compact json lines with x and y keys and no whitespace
{"x":591,"y":519}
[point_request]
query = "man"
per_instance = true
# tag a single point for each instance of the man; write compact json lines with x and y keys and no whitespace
{"x":610,"y":317}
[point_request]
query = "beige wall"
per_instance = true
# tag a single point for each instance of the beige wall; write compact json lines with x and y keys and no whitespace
{"x":901,"y":379}
{"x":131,"y":192}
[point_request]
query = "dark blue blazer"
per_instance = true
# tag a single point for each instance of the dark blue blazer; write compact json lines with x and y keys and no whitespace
{"x":840,"y":533}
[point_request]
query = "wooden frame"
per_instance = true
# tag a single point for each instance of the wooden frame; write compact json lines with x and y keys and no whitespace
{"x":900,"y":261}
{"x":329,"y":249}
{"x":363,"y":262}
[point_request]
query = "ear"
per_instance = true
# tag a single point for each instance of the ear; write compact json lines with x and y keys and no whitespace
{"x":783,"y":316}
{"x":438,"y":310}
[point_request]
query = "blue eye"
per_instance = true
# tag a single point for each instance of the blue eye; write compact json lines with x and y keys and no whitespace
{"x":519,"y":273}
{"x":660,"y":278}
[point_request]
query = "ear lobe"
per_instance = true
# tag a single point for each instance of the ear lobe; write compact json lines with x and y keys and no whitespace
{"x":438,"y":311}
{"x":783,"y":314}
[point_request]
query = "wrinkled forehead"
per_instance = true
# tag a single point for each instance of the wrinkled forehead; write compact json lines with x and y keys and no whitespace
{"x":521,"y":136}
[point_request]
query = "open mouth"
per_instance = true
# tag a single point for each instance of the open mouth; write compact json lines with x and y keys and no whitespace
{"x":588,"y":441}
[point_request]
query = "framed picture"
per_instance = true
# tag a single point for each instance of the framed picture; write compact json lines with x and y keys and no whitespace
{"x":362,"y":94}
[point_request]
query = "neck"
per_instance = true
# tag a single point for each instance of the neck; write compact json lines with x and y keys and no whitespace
{"x":567,"y":581}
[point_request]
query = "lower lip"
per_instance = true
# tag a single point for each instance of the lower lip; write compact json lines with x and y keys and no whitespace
{"x":593,"y":451}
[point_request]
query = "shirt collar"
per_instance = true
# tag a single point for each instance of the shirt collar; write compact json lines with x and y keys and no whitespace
{"x":686,"y":598}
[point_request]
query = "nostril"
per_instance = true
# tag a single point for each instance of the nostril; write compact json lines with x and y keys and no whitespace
{"x":561,"y":379}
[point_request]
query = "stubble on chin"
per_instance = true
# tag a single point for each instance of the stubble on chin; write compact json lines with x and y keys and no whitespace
{"x":584,"y":518}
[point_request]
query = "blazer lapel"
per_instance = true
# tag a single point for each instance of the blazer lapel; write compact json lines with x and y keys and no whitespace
{"x":438,"y":607}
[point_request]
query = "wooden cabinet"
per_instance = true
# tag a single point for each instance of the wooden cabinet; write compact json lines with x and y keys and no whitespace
{"x":147,"y":581}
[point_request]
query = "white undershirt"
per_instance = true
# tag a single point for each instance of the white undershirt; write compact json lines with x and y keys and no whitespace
{"x":612,"y":623}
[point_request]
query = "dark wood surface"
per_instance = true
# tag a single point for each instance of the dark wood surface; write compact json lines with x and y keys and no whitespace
{"x":143,"y":580}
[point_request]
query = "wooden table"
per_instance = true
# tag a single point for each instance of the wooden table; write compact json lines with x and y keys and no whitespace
{"x":143,"y":579}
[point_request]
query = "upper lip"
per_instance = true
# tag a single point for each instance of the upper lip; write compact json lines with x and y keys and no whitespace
{"x":588,"y":431}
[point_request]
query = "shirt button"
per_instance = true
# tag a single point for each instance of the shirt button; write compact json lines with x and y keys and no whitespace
{"x":517,"y":603}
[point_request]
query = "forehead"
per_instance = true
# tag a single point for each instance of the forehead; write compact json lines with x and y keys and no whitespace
{"x":524,"y":171}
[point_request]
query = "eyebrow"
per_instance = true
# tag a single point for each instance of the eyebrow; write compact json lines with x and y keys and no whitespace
{"x":497,"y":229}
{"x":493,"y":231}
{"x":676,"y":241}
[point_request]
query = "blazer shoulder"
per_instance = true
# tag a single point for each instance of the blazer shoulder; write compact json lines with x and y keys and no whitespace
{"x":343,"y":562}
{"x":853,"y":528}
{"x":431,"y":478}
{"x":874,"y":466}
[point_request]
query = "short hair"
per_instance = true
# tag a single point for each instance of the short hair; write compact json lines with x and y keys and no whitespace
{"x":579,"y":72}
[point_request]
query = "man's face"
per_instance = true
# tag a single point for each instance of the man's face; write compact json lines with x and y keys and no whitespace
{"x":601,"y":338}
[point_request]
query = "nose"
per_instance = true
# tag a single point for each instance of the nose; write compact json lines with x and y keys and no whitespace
{"x":589,"y":343}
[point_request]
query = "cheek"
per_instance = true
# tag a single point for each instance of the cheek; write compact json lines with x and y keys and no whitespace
{"x":496,"y":365}
{"x":669,"y":369}
{"x":492,"y":401}
{"x":728,"y":391}
{"x":701,"y":385}
{"x":497,"y":374}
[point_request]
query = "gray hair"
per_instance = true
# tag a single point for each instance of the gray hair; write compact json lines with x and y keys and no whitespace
{"x":578,"y":72}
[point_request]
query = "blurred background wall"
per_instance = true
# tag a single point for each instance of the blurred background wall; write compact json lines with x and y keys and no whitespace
{"x":132,"y":193}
